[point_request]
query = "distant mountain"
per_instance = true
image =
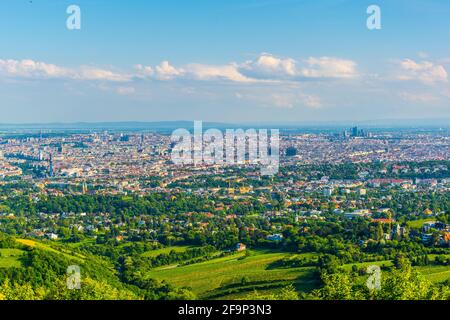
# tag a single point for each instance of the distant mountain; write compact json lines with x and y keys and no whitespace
{"x":135,"y":125}
{"x":383,"y":123}
{"x":171,"y":125}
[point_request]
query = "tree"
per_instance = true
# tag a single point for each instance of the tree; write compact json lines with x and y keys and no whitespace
{"x":337,"y":286}
{"x":245,"y":280}
{"x":20,"y":292}
{"x":328,"y":263}
{"x":287,"y":293}
{"x":405,"y":283}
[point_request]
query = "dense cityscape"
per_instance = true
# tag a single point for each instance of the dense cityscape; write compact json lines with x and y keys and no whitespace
{"x":341,"y":201}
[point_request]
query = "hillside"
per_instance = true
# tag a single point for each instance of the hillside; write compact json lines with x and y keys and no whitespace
{"x":236,"y":273}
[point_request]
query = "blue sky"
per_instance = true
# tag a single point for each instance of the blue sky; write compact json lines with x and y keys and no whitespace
{"x":223,"y":60}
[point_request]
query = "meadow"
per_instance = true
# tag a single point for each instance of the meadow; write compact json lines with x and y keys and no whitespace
{"x":10,"y":258}
{"x":435,"y":273}
{"x":166,"y":250}
{"x":54,"y":248}
{"x":418,"y":224}
{"x":235,"y":274}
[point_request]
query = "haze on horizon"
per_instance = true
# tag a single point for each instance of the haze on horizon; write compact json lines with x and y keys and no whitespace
{"x":224,"y":61}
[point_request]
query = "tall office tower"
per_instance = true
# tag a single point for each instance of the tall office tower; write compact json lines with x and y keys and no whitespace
{"x":345,"y":134}
{"x":41,"y":155}
{"x":50,"y":168}
{"x":354,"y":131}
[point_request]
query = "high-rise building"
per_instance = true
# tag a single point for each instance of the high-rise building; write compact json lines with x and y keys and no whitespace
{"x":355,"y":132}
{"x":50,"y":165}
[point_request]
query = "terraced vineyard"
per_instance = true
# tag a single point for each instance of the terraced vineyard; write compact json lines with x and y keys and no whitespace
{"x":236,"y":275}
{"x":435,"y":273}
{"x":62,"y":250}
{"x":217,"y":276}
{"x":166,"y":250}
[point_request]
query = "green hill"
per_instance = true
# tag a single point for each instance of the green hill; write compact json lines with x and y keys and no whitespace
{"x":10,"y":258}
{"x":235,"y":274}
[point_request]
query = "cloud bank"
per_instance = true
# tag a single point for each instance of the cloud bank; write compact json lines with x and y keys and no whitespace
{"x":265,"y":68}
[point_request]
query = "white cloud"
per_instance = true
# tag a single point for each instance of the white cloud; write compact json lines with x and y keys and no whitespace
{"x":209,"y":72}
{"x":32,"y":69}
{"x":194,"y":71}
{"x":89,"y":73}
{"x":41,"y":70}
{"x":329,"y":67}
{"x":264,"y":69}
{"x":165,"y":71}
{"x":267,"y":66}
{"x":426,"y":71}
{"x":145,"y":71}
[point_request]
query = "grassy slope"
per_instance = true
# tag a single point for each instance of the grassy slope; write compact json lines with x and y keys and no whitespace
{"x":223,"y":276}
{"x":417,"y":224}
{"x":435,"y":273}
{"x":9,"y":258}
{"x":166,"y":250}
{"x":61,"y":249}
{"x":432,"y":272}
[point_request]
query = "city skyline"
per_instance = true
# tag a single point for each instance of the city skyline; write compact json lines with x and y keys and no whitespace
{"x":224,"y":61}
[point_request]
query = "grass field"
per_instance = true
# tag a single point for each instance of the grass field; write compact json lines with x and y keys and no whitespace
{"x":36,"y":244}
{"x":230,"y":277}
{"x":40,"y":245}
{"x":10,"y":258}
{"x":417,"y":224}
{"x":166,"y":250}
{"x":435,"y":273}
{"x":81,"y":243}
{"x":223,"y":276}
